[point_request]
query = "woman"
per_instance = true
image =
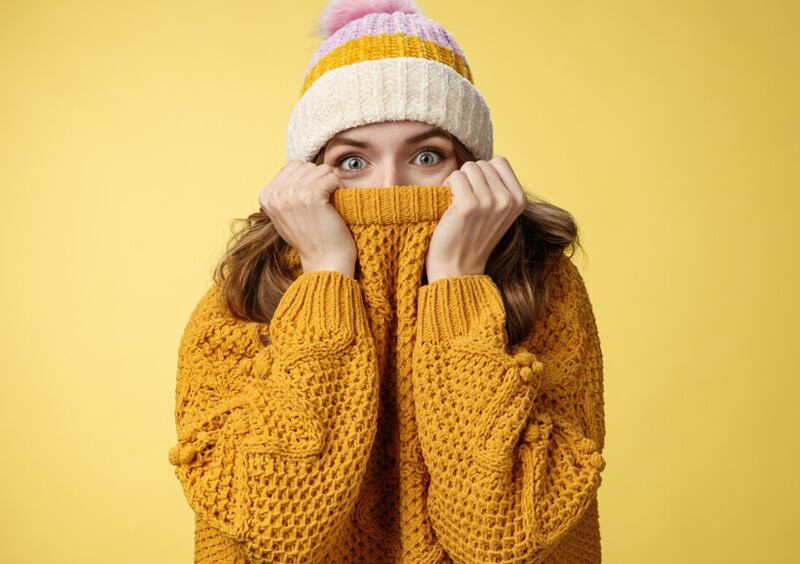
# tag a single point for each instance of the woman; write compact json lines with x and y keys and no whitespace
{"x":397,"y":361}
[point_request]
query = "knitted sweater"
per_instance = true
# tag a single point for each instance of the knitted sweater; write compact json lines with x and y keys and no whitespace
{"x":388,"y":421}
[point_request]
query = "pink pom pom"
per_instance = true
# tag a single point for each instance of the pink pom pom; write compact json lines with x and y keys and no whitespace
{"x":339,"y":13}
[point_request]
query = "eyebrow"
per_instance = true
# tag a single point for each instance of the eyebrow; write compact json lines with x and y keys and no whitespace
{"x":410,"y":141}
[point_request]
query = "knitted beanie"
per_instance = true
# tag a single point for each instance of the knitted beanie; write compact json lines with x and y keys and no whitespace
{"x":382,"y":60}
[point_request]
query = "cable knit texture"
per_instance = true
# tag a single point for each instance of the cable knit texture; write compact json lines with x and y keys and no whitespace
{"x":389,"y":421}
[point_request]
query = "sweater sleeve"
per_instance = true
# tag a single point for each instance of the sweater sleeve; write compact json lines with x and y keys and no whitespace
{"x":512,"y":439}
{"x":273,"y":440}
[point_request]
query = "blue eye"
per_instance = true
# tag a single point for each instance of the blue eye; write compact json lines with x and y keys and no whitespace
{"x":432,"y":151}
{"x":346,"y":158}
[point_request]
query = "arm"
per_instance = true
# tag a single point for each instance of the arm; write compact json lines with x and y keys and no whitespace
{"x":504,"y":434}
{"x":273,"y":440}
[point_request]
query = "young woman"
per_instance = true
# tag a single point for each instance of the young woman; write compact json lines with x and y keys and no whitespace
{"x":397,"y":361}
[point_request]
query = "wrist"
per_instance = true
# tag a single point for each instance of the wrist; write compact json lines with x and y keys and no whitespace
{"x":438,"y":272}
{"x":345,"y":267}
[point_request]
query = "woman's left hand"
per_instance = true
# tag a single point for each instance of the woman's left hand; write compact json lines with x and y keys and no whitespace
{"x":487,"y":198}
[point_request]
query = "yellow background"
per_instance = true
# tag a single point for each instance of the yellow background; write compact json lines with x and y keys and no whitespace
{"x":133,"y":132}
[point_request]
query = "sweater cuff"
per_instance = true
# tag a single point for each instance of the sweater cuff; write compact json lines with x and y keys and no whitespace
{"x":319,"y":307}
{"x":459,"y":306}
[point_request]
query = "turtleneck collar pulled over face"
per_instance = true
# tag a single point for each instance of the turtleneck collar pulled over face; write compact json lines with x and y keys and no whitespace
{"x":391,"y":227}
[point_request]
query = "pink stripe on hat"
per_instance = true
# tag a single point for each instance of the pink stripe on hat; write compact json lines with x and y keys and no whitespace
{"x":415,"y":25}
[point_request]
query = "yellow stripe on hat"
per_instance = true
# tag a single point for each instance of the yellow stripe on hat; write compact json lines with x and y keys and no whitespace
{"x":371,"y":47}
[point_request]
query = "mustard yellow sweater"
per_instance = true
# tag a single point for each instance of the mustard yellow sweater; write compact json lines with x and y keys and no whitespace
{"x":388,"y":421}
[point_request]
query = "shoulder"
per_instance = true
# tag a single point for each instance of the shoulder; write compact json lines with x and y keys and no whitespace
{"x":565,"y":281}
{"x":568,"y":295}
{"x":212,"y":328}
{"x":567,"y":311}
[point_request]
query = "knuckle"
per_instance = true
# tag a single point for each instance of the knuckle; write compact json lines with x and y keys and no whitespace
{"x":306,"y":197}
{"x":486,"y":205}
{"x":504,"y":201}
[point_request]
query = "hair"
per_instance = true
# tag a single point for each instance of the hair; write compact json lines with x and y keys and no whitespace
{"x":253,"y":274}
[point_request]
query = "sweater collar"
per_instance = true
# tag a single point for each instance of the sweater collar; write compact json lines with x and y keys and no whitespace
{"x":414,"y":203}
{"x":379,"y":218}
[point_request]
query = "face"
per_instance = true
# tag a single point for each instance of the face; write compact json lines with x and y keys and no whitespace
{"x":391,"y":154}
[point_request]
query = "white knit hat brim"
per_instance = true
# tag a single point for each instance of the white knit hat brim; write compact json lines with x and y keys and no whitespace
{"x":389,"y":89}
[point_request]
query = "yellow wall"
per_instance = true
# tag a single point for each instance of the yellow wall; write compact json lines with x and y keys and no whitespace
{"x":133,"y":132}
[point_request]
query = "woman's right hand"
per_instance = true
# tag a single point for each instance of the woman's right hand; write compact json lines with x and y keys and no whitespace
{"x":298,"y":203}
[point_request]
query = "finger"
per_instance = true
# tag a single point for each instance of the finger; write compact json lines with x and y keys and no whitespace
{"x":493,"y":179}
{"x":327,"y":183}
{"x":299,"y":172}
{"x":461,"y":189}
{"x":287,"y":169}
{"x":480,"y":187}
{"x":504,"y":170}
{"x":321,"y":171}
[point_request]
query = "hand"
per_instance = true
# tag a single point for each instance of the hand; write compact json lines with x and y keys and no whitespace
{"x":298,"y":203}
{"x":487,"y":198}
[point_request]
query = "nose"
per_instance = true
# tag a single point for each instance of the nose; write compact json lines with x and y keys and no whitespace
{"x":393,"y":176}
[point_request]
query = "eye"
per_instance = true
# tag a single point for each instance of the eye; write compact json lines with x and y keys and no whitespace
{"x":348,"y":158}
{"x":431,"y":150}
